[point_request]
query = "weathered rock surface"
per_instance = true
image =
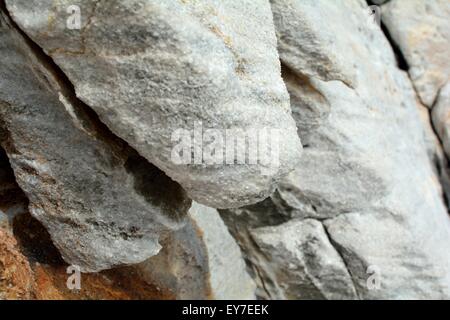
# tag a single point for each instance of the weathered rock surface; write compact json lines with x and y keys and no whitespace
{"x":304,"y":262}
{"x":102,"y":203}
{"x":149,"y":68}
{"x":88,"y":116}
{"x":200,"y":261}
{"x":32,"y":268}
{"x":365,"y":173}
{"x":421,"y":29}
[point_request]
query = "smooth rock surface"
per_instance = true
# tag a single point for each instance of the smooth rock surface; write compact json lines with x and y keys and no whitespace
{"x":102,"y":203}
{"x":365,"y":172}
{"x":200,"y":261}
{"x":149,"y":68}
{"x":421,"y":29}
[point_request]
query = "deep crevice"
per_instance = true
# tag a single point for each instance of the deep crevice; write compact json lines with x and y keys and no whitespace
{"x":344,"y":261}
{"x":440,"y":167}
{"x":33,"y":239}
{"x":402,"y":64}
{"x":370,"y":2}
{"x":400,"y":58}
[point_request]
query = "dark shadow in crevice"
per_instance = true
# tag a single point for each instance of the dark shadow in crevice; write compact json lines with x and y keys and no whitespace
{"x":33,"y":239}
{"x":400,"y":58}
{"x":402,"y":64}
{"x":157,"y":188}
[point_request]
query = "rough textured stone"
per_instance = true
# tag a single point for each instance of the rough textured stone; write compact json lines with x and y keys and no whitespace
{"x":305,"y":264}
{"x":421,"y":29}
{"x":103,"y":204}
{"x":200,"y":261}
{"x":365,"y":172}
{"x":151,"y":67}
{"x":85,"y":113}
{"x":320,"y":55}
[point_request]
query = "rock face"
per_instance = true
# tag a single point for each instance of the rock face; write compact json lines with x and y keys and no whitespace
{"x":147,"y":75}
{"x":364,"y":205}
{"x":102,"y":203}
{"x":422,"y":33}
{"x":421,"y":29}
{"x":200,"y":261}
{"x":304,"y":262}
{"x":115,"y":114}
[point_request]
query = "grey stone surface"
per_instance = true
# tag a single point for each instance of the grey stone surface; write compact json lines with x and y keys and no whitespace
{"x":102,"y":203}
{"x":303,"y":261}
{"x":421,"y":29}
{"x":320,"y":55}
{"x":87,"y":117}
{"x":200,"y":261}
{"x":150,"y":67}
{"x":365,"y":172}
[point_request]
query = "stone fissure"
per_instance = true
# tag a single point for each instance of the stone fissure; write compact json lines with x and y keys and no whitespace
{"x":344,"y":261}
{"x":403,"y":65}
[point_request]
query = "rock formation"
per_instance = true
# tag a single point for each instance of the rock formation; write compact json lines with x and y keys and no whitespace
{"x":127,"y":149}
{"x":364,"y":188}
{"x":200,"y":261}
{"x":102,"y":203}
{"x":147,"y":75}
